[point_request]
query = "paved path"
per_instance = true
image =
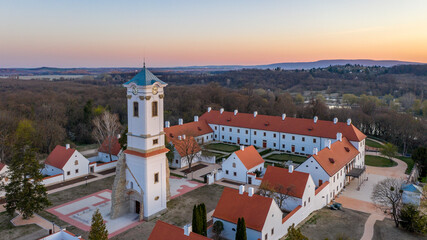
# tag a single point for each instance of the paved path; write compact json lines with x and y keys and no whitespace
{"x":36,"y":219}
{"x":394,"y":172}
{"x":368,"y":232}
{"x":98,"y":177}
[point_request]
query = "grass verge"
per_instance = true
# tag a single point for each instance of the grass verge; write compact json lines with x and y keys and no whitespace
{"x":377,"y":161}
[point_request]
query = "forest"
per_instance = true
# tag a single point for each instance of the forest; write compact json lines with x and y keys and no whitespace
{"x":62,"y":111}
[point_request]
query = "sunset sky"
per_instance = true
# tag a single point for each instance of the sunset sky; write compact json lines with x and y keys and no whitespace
{"x":107,"y":33}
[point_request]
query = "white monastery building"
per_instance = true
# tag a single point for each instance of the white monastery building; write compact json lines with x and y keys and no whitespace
{"x":146,"y":151}
{"x":241,"y":165}
{"x":336,"y":164}
{"x":66,"y":161}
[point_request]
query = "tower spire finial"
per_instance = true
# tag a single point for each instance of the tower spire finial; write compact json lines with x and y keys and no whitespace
{"x":144,"y":62}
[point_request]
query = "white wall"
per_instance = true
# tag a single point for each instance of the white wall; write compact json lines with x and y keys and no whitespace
{"x":321,"y":199}
{"x":204,"y":138}
{"x":53,"y":179}
{"x":240,"y":169}
{"x":104,"y":166}
{"x":51,"y":170}
{"x":273,"y":220}
{"x":70,"y":167}
{"x":229,"y":233}
{"x":312,"y":167}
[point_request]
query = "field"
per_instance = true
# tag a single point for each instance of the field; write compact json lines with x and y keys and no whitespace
{"x":372,"y":143}
{"x":377,"y":161}
{"x":282,"y":157}
{"x":8,"y":231}
{"x":223,"y":147}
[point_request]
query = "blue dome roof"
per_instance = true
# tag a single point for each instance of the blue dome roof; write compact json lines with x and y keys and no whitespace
{"x":145,"y":78}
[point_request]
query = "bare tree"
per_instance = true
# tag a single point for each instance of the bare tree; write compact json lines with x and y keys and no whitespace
{"x":278,"y":192}
{"x":188,"y":149}
{"x":107,"y":127}
{"x":387,"y":195}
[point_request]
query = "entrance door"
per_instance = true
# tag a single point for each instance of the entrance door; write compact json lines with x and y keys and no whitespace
{"x":293,"y":148}
{"x":249,"y":180}
{"x":137,"y":207}
{"x":238,"y":140}
{"x":91,"y":169}
{"x":264,"y":144}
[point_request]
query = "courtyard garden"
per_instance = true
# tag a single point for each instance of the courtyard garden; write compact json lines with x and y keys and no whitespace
{"x":222,"y":147}
{"x":9,"y":231}
{"x":372,"y":143}
{"x":377,"y":161}
{"x":283,"y":157}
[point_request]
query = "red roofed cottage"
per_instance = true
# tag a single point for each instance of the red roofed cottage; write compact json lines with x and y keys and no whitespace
{"x":237,"y":166}
{"x":66,"y":161}
{"x":166,"y":231}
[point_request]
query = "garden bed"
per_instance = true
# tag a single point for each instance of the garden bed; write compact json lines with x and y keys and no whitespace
{"x":223,"y":147}
{"x":283,"y":157}
{"x":377,"y":161}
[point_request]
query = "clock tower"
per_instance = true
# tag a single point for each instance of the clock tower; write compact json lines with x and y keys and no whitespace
{"x":146,"y":162}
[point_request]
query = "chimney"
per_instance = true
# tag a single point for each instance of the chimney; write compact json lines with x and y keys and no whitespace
{"x":235,"y":112}
{"x":349,"y":121}
{"x":67,"y":146}
{"x":179,"y":138}
{"x":291,"y":168}
{"x":196,"y":118}
{"x":187,"y":229}
{"x":315,"y":119}
{"x":221,"y":110}
{"x":241,"y":189}
{"x":329,"y":144}
{"x":251,"y":191}
{"x":339,"y":137}
{"x":209,"y":109}
{"x":183,"y":136}
{"x":315,"y":151}
{"x":180,"y":121}
{"x":255,"y":113}
{"x":167,"y":124}
{"x":284,"y":116}
{"x":335,"y":120}
{"x":242,"y":147}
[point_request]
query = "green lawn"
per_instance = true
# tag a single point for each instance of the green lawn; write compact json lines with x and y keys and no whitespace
{"x":223,"y":147}
{"x":372,"y":143}
{"x":378,"y":161}
{"x":269,"y":150}
{"x":408,"y":161}
{"x":286,"y":157}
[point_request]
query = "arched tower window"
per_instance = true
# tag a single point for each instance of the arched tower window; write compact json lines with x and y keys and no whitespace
{"x":135,"y":109}
{"x":154,"y":109}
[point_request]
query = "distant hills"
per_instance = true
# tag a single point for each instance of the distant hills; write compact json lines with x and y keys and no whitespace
{"x":285,"y":66}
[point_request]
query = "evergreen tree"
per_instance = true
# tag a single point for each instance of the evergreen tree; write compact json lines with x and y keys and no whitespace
{"x":241,"y":229}
{"x":195,"y":225}
{"x":98,"y":230}
{"x":25,"y":191}
{"x":123,"y":139}
{"x":204,"y":220}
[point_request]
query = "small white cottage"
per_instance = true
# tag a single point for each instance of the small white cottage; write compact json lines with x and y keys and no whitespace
{"x":66,"y":161}
{"x":238,"y":166}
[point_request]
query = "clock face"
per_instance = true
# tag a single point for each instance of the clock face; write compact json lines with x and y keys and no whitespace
{"x":134,"y":90}
{"x":155,"y":89}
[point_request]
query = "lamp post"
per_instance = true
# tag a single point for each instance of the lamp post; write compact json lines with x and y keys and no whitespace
{"x":86,"y":179}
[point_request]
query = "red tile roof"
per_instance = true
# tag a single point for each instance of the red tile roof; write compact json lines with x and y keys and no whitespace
{"x":321,"y":187}
{"x":291,"y":214}
{"x":249,"y":157}
{"x":166,"y":231}
{"x":59,"y":156}
{"x":280,"y":179}
{"x":115,"y":146}
{"x":194,"y":129}
{"x":301,"y":126}
{"x":233,"y":205}
{"x":332,"y":160}
{"x":2,"y":166}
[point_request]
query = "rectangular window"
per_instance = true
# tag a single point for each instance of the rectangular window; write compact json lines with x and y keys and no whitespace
{"x":293,"y":137}
{"x":254,"y":141}
{"x":272,"y":231}
{"x":247,"y":131}
{"x":283,"y":145}
{"x":222,"y":128}
{"x":265,"y":134}
{"x":235,"y":174}
{"x":222,"y":137}
{"x":283,"y":136}
{"x":230,"y":138}
{"x":135,"y":109}
{"x":156,"y":177}
{"x":68,"y":173}
{"x":77,"y":171}
{"x":229,"y":130}
{"x":226,"y":172}
{"x":303,"y":139}
{"x":274,"y":144}
{"x":238,"y":130}
{"x":314,"y":140}
{"x":266,"y":236}
{"x":246,"y":140}
{"x":154,"y":109}
{"x":303,"y":149}
{"x":254,"y":132}
{"x":274,"y":135}
{"x":155,"y":141}
{"x":215,"y":128}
